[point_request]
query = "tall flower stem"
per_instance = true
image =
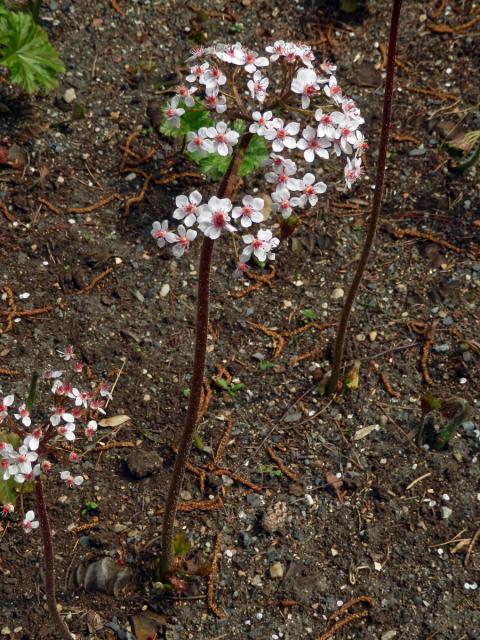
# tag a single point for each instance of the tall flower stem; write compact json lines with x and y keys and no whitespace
{"x":377,"y":201}
{"x":201,"y":331}
{"x":42,"y":513}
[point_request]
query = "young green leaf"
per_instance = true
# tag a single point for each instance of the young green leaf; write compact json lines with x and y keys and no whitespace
{"x":27,"y":53}
{"x":266,"y":364}
{"x":181,"y":545}
{"x":309,"y":315}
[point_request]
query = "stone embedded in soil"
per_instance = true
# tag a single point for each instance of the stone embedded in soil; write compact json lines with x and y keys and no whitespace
{"x":142,"y":464}
{"x":338,"y":293}
{"x":274,"y":517}
{"x":389,"y":635}
{"x":445,"y":512}
{"x":69,"y":95}
{"x":276,"y":570}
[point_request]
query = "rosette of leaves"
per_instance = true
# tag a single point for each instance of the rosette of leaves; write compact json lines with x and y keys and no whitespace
{"x":214,"y":165}
{"x":26,"y":52}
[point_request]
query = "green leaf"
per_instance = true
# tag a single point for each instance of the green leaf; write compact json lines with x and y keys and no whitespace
{"x":8,"y":491}
{"x":309,"y":315}
{"x":192,"y":120}
{"x":198,"y":442}
{"x":266,"y":364}
{"x":186,"y":392}
{"x":181,"y":545}
{"x":27,"y":53}
{"x":256,"y":156}
{"x":222,"y":383}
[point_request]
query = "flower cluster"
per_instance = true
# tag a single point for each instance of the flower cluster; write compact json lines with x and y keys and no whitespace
{"x":298,"y":109}
{"x":23,"y":452}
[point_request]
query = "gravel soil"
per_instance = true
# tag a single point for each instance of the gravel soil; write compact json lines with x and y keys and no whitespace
{"x":348,"y":506}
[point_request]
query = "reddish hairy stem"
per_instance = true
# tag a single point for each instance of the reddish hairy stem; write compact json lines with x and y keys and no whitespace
{"x":60,"y":625}
{"x":377,"y":201}
{"x":201,"y":331}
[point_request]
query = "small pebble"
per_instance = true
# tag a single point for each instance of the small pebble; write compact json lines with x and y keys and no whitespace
{"x":389,"y":635}
{"x":445,"y":512}
{"x":165,"y":290}
{"x":276,"y":570}
{"x":69,"y":95}
{"x":338,"y":293}
{"x":372,"y":336}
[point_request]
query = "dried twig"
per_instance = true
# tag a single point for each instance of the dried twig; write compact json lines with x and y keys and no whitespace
{"x":223,"y":443}
{"x":426,"y":352}
{"x":8,"y":215}
{"x":388,"y":386}
{"x":8,"y":372}
{"x":238,"y":478}
{"x":126,"y":444}
{"x":422,"y":235}
{"x":470,"y":548}
{"x":283,"y":468}
{"x":138,"y":198}
{"x":279,"y":340}
{"x":446,"y":28}
{"x":117,"y":7}
{"x":439,"y":10}
{"x":198,"y":505}
{"x":94,"y":282}
{"x":211,"y":579}
{"x":49,"y":205}
{"x":96,"y":205}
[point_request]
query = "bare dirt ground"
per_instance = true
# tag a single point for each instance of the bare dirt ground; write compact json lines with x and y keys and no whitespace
{"x":399,"y":526}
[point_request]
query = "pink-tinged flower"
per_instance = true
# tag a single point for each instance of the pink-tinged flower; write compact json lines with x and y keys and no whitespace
{"x":216,"y":102}
{"x":310,"y":189}
{"x":181,"y":240}
{"x":282,"y":170}
{"x":159,"y":232}
{"x":312,"y":145}
{"x":281,"y":135}
{"x":306,"y":55}
{"x":70,"y":480}
{"x":251,"y":211}
{"x":22,"y":465}
{"x":222,"y":138}
{"x":345,"y":136}
{"x":281,"y":202}
{"x":67,"y":353}
{"x":197,"y":73}
{"x":262,"y":122}
{"x":73,"y":457}
{"x":353,"y":171}
{"x":50,"y":374}
{"x":32,"y":441}
{"x":261,"y":246}
{"x":276,"y":50}
{"x":233,"y":54}
{"x":305,"y":83}
{"x":45,"y":466}
{"x":4,"y":404}
{"x":78,"y":367}
{"x":184,"y":93}
{"x":105,"y":390}
{"x":198,"y":142}
{"x":258,"y":86}
{"x":327,"y":67}
{"x":197,"y":52}
{"x":214,"y":78}
{"x":326,"y":127}
{"x":333,"y":91}
{"x":7,"y":509}
{"x":173,"y":113}
{"x":351,"y":110}
{"x":252,"y":61}
{"x":67,"y":431}
{"x":60,"y":389}
{"x":242,"y":268}
{"x":29,"y":523}
{"x":91,"y":429}
{"x":59,"y":415}
{"x":215,"y":216}
{"x":97,"y":405}
{"x":291,"y":52}
{"x":359,"y":143}
{"x":23,"y":415}
{"x":82,"y":398}
{"x":187,"y":208}
{"x":77,"y":412}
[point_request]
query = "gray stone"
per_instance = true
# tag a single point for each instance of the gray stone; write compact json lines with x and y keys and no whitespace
{"x":142,"y":464}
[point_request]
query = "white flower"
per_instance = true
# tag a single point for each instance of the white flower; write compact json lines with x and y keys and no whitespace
{"x":310,"y":189}
{"x":67,"y":431}
{"x":252,"y":61}
{"x":223,"y":138}
{"x":90,"y":429}
{"x":216,"y":102}
{"x":359,"y":143}
{"x":282,"y":134}
{"x":261,"y":246}
{"x":281,"y":202}
{"x":60,"y":414}
{"x":258,"y":86}
{"x":291,"y":52}
{"x":351,"y":110}
{"x":29,"y":523}
{"x":232,"y":54}
{"x":67,"y":353}
{"x":81,"y":397}
{"x":305,"y":83}
{"x":197,"y":73}
{"x":312,"y":145}
{"x":185,"y":93}
{"x":198,"y":142}
{"x":50,"y":374}
{"x":181,"y":240}
{"x":326,"y":127}
{"x":282,"y":165}
{"x":277,"y":50}
{"x":214,"y":217}
{"x":250,"y":212}
{"x":262,"y":122}
{"x":282,"y":170}
{"x":4,"y":404}
{"x":327,"y":67}
{"x":333,"y":91}
{"x":306,"y":55}
{"x":23,"y":415}
{"x":7,"y":509}
{"x":32,"y":441}
{"x":70,"y":480}
{"x":187,"y":209}
{"x":345,"y":134}
{"x":159,"y":232}
{"x":173,"y":113}
{"x":353,"y":170}
{"x":214,"y":78}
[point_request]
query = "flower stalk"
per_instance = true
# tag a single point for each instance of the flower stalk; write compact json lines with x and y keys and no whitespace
{"x":377,"y":201}
{"x":201,"y":332}
{"x":43,"y":518}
